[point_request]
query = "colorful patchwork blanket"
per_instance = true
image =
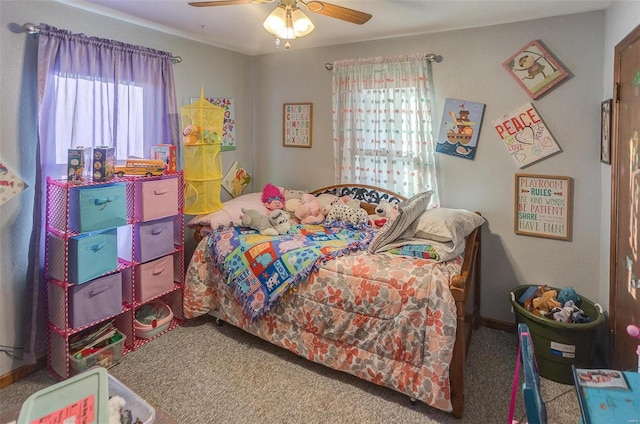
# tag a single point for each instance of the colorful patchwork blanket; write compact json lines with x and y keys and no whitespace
{"x":261,"y":269}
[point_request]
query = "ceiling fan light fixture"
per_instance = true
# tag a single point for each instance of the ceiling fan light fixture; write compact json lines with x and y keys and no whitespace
{"x":288,"y":23}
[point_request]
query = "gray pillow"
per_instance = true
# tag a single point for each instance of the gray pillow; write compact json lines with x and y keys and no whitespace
{"x":409,"y":211}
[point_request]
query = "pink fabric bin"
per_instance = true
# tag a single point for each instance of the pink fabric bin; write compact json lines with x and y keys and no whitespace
{"x":154,"y":278}
{"x":156,"y":199}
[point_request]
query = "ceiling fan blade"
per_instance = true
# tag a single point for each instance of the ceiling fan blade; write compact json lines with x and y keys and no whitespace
{"x":338,"y":12}
{"x":228,"y":2}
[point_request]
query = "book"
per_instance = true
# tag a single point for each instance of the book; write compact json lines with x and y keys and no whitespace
{"x":607,"y":396}
{"x":236,"y":180}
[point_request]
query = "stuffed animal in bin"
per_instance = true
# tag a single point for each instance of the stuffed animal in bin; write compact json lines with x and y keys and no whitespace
{"x":272,"y":197}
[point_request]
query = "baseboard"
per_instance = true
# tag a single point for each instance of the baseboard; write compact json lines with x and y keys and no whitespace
{"x":22,"y":372}
{"x":495,"y":324}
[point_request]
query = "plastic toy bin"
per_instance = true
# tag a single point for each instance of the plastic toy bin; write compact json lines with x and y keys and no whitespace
{"x":106,"y":357}
{"x":141,"y":411}
{"x":557,"y":345}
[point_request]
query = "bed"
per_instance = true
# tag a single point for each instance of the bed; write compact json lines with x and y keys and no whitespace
{"x":366,"y":308}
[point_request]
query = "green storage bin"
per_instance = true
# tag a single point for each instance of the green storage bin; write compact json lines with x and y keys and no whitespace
{"x":558,"y":345}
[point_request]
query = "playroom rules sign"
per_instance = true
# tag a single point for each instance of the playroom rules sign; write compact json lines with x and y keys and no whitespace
{"x":543,"y":206}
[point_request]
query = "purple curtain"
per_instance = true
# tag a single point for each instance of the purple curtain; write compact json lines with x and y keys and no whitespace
{"x":87,"y":88}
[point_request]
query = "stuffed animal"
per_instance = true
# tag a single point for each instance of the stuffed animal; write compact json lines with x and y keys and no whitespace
{"x":308,"y":211}
{"x":326,"y":201}
{"x":253,"y":218}
{"x":116,"y":405}
{"x":191,"y":134}
{"x":272,"y":197}
{"x":279,"y":219}
{"x":350,"y":201}
{"x":387,"y":210}
{"x":343,"y":213}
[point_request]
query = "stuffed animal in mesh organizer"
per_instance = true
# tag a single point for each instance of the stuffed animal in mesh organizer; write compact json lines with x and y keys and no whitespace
{"x":277,"y":223}
{"x":344,"y":213}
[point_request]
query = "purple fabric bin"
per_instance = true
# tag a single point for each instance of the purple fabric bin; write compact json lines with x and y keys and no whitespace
{"x":153,"y":239}
{"x":95,"y":300}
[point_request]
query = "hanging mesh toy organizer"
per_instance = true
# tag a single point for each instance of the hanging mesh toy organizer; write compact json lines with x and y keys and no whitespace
{"x":202,"y":126}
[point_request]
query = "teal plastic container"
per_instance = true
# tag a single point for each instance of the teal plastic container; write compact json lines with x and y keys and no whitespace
{"x":557,"y":345}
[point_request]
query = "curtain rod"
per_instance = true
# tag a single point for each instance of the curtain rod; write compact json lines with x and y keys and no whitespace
{"x":30,"y":28}
{"x":431,"y":57}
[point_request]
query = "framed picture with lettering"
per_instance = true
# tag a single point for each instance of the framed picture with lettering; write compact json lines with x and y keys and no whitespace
{"x":297,"y":124}
{"x":535,"y":69}
{"x":542,"y":206}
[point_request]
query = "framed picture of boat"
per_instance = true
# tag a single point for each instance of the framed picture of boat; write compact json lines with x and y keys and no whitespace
{"x":535,"y":69}
{"x":460,"y":128}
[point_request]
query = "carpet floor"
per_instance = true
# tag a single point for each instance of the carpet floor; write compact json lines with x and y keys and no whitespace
{"x":201,"y":373}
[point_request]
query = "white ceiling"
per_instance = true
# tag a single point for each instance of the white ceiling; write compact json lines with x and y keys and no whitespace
{"x":239,"y":27}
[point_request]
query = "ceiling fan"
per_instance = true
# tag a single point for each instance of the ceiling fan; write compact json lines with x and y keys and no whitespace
{"x":287,"y":21}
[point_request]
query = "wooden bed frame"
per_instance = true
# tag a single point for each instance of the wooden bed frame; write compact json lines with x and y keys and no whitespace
{"x":465,"y":287}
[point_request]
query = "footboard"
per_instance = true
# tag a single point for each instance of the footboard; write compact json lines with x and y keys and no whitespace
{"x":465,"y":288}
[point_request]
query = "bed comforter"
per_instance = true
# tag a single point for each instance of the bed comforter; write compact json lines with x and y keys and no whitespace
{"x":385,"y":318}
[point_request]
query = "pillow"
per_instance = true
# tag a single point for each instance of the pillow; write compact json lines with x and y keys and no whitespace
{"x":231,"y":211}
{"x":408,"y":212}
{"x":446,"y":225}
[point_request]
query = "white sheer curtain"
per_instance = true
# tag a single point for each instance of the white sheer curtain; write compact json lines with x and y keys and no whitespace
{"x":382,"y":128}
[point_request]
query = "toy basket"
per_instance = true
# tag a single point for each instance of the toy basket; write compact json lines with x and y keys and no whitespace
{"x":152,"y":319}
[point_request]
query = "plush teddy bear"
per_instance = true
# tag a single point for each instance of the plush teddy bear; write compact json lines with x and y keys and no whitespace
{"x":326,"y":201}
{"x":308,"y":211}
{"x":191,"y":134}
{"x":279,"y":219}
{"x":341,"y":212}
{"x":255,"y":219}
{"x":350,"y":201}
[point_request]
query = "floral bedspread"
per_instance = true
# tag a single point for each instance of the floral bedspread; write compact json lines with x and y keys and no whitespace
{"x":261,"y":269}
{"x":385,"y":318}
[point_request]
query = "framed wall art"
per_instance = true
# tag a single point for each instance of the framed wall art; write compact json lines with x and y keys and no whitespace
{"x":297,"y":124}
{"x":605,"y":131}
{"x":535,"y":69}
{"x":460,"y":128}
{"x":542,"y":206}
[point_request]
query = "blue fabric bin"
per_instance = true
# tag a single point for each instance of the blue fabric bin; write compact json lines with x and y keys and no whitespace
{"x":95,"y":208}
{"x":92,"y":254}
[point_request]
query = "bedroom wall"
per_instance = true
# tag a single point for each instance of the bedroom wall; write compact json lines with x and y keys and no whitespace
{"x":471,"y":70}
{"x":222,"y":72}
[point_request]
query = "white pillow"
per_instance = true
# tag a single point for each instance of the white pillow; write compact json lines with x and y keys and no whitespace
{"x":445,"y":225}
{"x":231,"y":211}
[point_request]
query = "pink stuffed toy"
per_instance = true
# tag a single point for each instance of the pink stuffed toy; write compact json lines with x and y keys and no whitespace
{"x":308,"y":212}
{"x":272,"y":197}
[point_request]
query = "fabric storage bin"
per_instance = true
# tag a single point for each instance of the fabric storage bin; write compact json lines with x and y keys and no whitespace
{"x":106,"y":357}
{"x":202,"y":197}
{"x":153,"y":239}
{"x":95,"y":300}
{"x":152,"y":319}
{"x":156,"y":199}
{"x":92,"y":254}
{"x":94,"y":208}
{"x":154,"y":278}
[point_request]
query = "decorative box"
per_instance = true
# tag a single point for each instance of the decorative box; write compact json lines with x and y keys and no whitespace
{"x":165,"y":153}
{"x":154,"y":278}
{"x":95,"y":300}
{"x":153,"y":239}
{"x":94,"y":208}
{"x":91,"y":255}
{"x":156,"y":199}
{"x":104,"y":163}
{"x":79,"y":165}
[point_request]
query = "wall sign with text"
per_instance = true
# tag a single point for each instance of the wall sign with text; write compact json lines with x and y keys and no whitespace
{"x":543,"y":206}
{"x":297,"y":124}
